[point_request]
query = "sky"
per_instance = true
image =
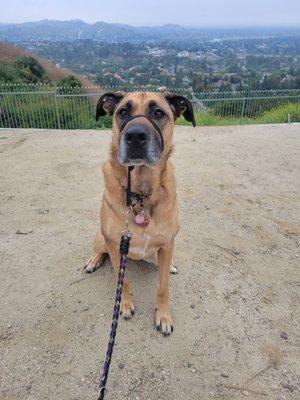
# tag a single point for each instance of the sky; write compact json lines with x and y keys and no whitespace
{"x":157,"y":12}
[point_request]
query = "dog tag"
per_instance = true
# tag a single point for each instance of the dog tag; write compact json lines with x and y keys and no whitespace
{"x":141,"y":220}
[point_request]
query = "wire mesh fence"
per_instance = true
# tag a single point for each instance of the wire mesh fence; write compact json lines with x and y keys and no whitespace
{"x":49,"y":107}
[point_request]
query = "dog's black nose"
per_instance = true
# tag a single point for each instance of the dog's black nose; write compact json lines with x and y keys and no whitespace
{"x":137,"y":135}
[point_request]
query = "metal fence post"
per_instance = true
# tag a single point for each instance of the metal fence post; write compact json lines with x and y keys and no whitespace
{"x":56,"y":108}
{"x":243,"y":107}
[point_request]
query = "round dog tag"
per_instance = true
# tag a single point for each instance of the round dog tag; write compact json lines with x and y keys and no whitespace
{"x":139,"y":219}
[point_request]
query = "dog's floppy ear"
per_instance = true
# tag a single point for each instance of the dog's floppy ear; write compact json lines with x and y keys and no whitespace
{"x":108,"y":103}
{"x":180,"y":105}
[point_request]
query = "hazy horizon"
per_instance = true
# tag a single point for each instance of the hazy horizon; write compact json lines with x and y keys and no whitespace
{"x":195,"y":13}
{"x":220,"y":26}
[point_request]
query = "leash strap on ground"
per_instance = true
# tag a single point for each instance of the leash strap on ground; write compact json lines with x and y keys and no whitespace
{"x":124,"y":249}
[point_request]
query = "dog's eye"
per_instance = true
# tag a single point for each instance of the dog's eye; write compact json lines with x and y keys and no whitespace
{"x":123,"y":112}
{"x":158,"y":113}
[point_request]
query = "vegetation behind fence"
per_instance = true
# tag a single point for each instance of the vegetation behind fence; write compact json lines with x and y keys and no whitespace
{"x":49,"y":107}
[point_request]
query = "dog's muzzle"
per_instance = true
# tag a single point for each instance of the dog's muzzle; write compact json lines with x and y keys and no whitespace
{"x":139,"y":144}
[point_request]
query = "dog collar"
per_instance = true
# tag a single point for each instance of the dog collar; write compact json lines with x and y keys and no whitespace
{"x":136,"y":197}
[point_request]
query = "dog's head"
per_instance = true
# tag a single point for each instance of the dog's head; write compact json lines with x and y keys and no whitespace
{"x":143,"y":124}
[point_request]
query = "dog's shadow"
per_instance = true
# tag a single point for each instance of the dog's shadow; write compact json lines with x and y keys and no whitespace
{"x":142,"y":274}
{"x":138,"y":271}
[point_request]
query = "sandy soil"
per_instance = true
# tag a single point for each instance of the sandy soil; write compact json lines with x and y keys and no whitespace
{"x":234,"y":300}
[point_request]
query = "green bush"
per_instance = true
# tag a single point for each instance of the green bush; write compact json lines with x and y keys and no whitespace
{"x":273,"y":116}
{"x":280,"y":115}
{"x":28,"y":111}
{"x":8,"y":74}
{"x":47,"y":111}
{"x":70,"y":85}
{"x":210,"y":119}
{"x":29,"y":69}
{"x":102,"y":123}
{"x":228,"y":108}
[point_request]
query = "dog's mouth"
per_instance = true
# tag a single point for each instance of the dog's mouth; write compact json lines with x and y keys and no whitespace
{"x":139,"y":145}
{"x":135,"y":161}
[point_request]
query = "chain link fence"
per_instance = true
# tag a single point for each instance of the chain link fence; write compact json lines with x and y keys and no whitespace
{"x":49,"y":107}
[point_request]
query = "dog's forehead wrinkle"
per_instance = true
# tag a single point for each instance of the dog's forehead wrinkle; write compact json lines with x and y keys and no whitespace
{"x":141,"y":101}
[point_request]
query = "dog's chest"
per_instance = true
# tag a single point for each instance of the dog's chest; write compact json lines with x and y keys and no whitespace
{"x":141,"y":246}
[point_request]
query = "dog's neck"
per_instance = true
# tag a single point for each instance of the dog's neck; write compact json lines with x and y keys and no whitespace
{"x":144,"y":180}
{"x":147,"y":180}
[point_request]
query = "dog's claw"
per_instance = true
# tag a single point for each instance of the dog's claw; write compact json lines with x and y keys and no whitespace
{"x":94,"y":263}
{"x":90,"y":268}
{"x":164,"y":323}
{"x":174,"y":269}
{"x":127,"y":310}
{"x":166,"y":330}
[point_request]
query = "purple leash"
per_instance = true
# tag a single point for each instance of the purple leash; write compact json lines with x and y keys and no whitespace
{"x":124,"y":249}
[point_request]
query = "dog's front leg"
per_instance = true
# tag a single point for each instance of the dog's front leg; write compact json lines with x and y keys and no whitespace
{"x":127,"y":307}
{"x":163,"y":317}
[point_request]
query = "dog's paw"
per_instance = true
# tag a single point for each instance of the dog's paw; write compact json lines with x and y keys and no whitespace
{"x":173,"y":269}
{"x":127,"y":309}
{"x":94,"y":263}
{"x":163,"y":321}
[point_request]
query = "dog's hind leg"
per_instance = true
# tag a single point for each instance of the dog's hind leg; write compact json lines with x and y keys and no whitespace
{"x":100,"y":252}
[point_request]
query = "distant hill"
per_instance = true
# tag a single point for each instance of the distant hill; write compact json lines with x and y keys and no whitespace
{"x":9,"y":54}
{"x":52,"y":30}
{"x":77,"y":29}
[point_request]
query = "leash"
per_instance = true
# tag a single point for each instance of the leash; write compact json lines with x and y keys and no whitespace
{"x":124,"y":249}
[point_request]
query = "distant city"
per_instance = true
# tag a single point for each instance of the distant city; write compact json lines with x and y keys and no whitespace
{"x":173,"y":56}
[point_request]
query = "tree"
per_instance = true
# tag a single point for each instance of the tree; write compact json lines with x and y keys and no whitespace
{"x":70,"y":84}
{"x":30,"y":69}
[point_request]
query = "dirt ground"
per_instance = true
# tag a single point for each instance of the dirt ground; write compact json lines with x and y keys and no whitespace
{"x":234,"y":300}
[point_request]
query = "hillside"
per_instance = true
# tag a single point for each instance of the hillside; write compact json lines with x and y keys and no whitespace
{"x":77,"y":29}
{"x":51,"y":30}
{"x":9,"y":54}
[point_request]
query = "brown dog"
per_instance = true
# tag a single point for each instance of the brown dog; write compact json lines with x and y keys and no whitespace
{"x":142,"y":137}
